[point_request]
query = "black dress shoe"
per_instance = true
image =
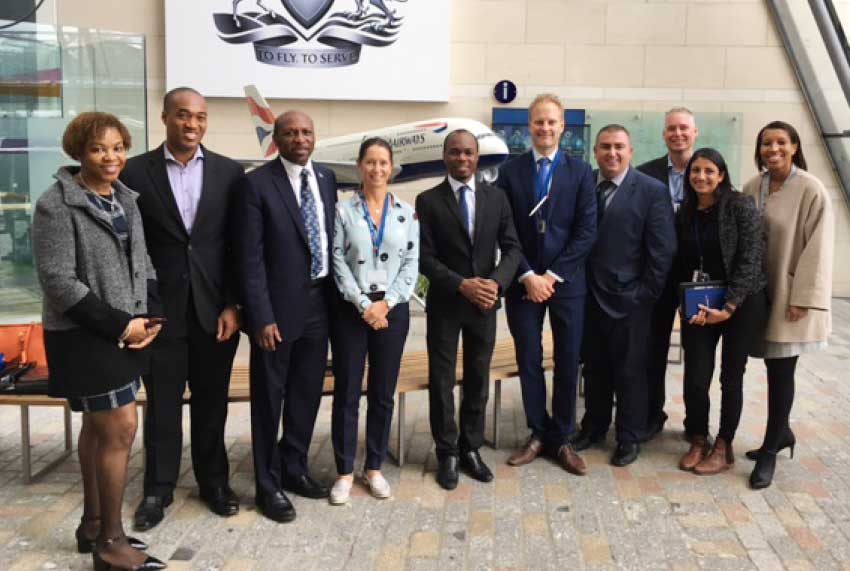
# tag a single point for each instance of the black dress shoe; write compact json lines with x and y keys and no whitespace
{"x":656,"y":426}
{"x":151,"y":511}
{"x":276,"y":507}
{"x":447,"y":472}
{"x":221,"y":500}
{"x":625,"y":454}
{"x":307,"y":487}
{"x":472,"y":464}
{"x":584,"y":440}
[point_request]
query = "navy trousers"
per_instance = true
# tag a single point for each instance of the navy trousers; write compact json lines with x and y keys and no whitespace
{"x":353,"y":341}
{"x":293,"y":374}
{"x":566,"y":318}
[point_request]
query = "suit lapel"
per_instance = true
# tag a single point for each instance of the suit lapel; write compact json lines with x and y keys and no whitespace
{"x":558,"y":177}
{"x":208,"y":187}
{"x":621,"y":197}
{"x":481,"y":203}
{"x":159,"y":177}
{"x":529,"y":176}
{"x":452,"y":204}
{"x":328,"y":199}
{"x":287,"y":193}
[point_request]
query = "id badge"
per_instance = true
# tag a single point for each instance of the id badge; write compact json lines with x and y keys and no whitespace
{"x":700,"y":276}
{"x":541,"y":225}
{"x":378,"y":277}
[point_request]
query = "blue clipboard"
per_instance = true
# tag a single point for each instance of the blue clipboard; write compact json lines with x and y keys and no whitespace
{"x":694,"y":294}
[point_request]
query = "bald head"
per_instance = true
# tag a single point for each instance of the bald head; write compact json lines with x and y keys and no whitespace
{"x":295,"y":136}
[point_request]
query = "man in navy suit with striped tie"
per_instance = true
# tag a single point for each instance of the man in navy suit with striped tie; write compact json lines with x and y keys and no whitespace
{"x":554,"y":208}
{"x":284,"y":222}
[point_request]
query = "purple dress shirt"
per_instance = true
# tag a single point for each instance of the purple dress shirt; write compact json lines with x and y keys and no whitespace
{"x":186,"y":184}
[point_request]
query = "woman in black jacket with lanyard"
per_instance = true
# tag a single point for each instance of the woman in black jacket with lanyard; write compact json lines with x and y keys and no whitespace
{"x":720,"y":238}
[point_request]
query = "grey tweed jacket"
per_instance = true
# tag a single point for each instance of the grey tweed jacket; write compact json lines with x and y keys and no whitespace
{"x":81,"y":263}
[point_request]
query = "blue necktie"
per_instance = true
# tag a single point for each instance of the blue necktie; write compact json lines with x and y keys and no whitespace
{"x":543,"y":172}
{"x":311,"y":222}
{"x":464,"y":208}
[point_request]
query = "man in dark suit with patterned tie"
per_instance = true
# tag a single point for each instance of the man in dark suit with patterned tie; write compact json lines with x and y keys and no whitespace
{"x":627,"y":268}
{"x":551,"y":195}
{"x":462,"y":223}
{"x":185,"y":192}
{"x":284,"y":225}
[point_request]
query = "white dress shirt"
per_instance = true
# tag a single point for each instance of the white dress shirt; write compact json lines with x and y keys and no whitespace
{"x":293,"y":172}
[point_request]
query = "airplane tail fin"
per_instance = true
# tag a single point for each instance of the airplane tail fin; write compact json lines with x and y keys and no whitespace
{"x":263,"y":119}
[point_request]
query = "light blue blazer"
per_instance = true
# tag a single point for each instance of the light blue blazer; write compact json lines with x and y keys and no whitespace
{"x":358,"y":271}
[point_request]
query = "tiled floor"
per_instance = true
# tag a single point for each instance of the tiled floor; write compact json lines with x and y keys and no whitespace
{"x":647,"y":516}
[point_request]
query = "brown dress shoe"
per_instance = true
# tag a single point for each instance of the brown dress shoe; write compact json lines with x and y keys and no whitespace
{"x":695,"y":454}
{"x":571,"y":461}
{"x":529,"y":451}
{"x":719,"y":460}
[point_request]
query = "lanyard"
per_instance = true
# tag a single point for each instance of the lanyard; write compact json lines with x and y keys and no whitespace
{"x":541,"y":187}
{"x":376,"y":234}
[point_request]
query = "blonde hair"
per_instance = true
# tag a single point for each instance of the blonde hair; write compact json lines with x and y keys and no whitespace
{"x":546,"y":98}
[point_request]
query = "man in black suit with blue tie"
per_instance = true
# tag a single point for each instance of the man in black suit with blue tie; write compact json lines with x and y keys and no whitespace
{"x":284,"y":226}
{"x":554,"y":210}
{"x":627,"y":269}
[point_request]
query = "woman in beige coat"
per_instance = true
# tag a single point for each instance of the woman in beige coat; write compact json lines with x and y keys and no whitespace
{"x":800,"y":231}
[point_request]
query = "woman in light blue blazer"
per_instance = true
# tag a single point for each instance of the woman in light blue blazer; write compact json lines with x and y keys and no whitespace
{"x":376,"y":264}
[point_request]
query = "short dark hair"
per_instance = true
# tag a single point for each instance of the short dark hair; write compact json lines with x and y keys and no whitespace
{"x":612,"y":128}
{"x":689,"y":195}
{"x":168,"y":100}
{"x":798,"y":157}
{"x":374,"y":142}
{"x":459,"y":132}
{"x":88,"y":126}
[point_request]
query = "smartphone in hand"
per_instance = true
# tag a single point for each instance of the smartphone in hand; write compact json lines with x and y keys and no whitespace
{"x":154,"y":321}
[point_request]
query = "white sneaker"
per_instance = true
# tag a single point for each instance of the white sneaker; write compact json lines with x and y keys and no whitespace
{"x":378,"y":485}
{"x":340,"y":491}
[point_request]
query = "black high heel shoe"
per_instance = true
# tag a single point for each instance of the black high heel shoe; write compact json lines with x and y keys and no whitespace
{"x":789,"y":441}
{"x":765,"y":468}
{"x":86,"y":545}
{"x":149,"y":564}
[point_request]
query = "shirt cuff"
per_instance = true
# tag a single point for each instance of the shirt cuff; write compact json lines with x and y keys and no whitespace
{"x":558,"y":278}
{"x":525,"y":275}
{"x":364,"y":303}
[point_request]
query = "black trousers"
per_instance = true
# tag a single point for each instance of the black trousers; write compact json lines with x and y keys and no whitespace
{"x":353,"y":341}
{"x":700,"y":344}
{"x":614,"y":353}
{"x":479,"y":338}
{"x":203,"y":362}
{"x":293,"y":374}
{"x":780,"y":400}
{"x":663,"y":313}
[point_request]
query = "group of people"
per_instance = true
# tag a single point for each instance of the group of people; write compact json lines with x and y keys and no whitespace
{"x":151,"y":266}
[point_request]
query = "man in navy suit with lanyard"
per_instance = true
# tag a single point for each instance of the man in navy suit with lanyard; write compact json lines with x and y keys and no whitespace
{"x":554,"y":208}
{"x":284,"y":224}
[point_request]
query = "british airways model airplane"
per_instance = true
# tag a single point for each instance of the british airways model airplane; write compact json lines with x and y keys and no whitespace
{"x":417,"y":147}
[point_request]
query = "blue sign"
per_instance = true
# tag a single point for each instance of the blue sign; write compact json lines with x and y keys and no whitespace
{"x":505,"y":91}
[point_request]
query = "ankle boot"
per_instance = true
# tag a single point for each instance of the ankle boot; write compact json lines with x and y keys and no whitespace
{"x":788,"y":441}
{"x":719,"y":460}
{"x":762,"y":475}
{"x":695,"y":454}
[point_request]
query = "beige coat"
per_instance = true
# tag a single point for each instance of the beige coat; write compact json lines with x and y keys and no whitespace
{"x":800,"y":240}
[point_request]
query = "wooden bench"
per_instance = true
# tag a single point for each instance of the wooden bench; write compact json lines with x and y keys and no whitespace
{"x":412,"y":377}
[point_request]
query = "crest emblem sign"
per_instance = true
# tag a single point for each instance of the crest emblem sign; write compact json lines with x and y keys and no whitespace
{"x":310,"y":33}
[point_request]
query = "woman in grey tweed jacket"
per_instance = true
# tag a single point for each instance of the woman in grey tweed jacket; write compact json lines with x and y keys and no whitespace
{"x":97,"y":281}
{"x":720,"y":234}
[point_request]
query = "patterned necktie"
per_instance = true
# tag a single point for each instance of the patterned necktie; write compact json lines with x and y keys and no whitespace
{"x":309,"y":213}
{"x":464,"y":208}
{"x":603,"y":194}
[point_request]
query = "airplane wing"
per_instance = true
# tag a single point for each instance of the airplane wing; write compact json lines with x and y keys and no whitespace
{"x":347,"y":173}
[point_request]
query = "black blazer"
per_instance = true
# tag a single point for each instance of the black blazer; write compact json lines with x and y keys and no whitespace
{"x":200,"y":263}
{"x":657,"y":169}
{"x":272,"y":248}
{"x":635,"y":245}
{"x":571,"y":221}
{"x":446,"y":255}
